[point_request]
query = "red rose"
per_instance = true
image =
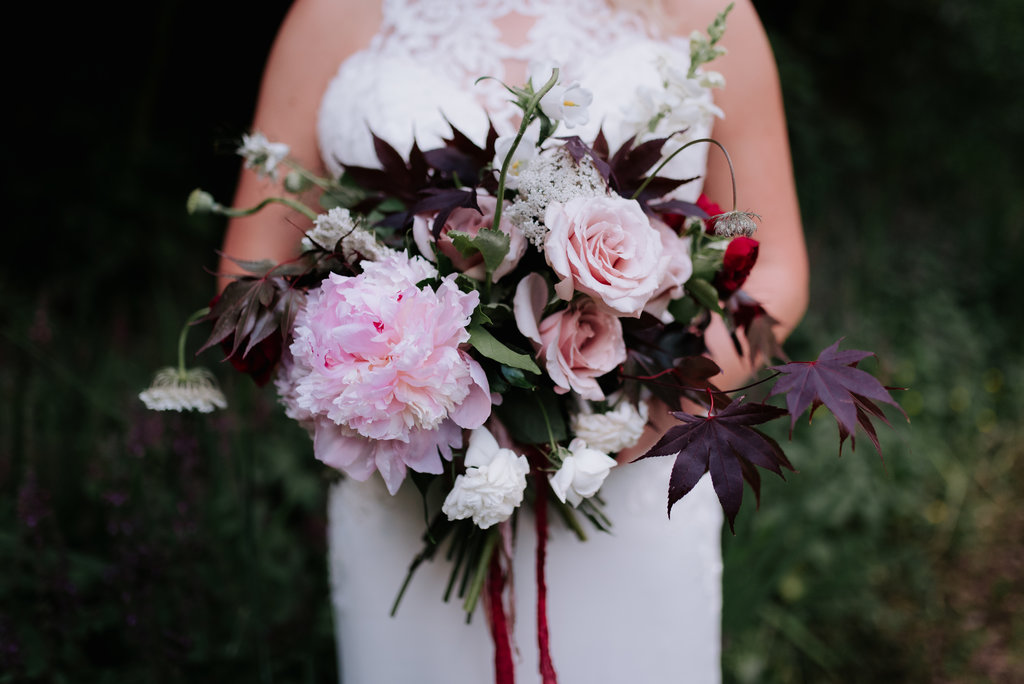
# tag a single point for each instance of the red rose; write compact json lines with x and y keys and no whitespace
{"x":712,"y":209}
{"x":740,"y":257}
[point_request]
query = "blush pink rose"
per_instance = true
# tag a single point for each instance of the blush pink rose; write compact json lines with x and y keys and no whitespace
{"x":577,"y":345}
{"x":607,"y":248}
{"x":679,"y":270}
{"x":468,"y":221}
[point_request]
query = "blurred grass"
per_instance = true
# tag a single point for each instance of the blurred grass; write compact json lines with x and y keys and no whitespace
{"x":154,"y":548}
{"x":904,"y":123}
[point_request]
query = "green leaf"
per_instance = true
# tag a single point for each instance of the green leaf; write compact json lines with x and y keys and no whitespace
{"x":523,"y":413}
{"x":491,"y":244}
{"x":491,"y":347}
{"x":705,"y":294}
{"x":516,"y":377}
{"x":683,"y":310}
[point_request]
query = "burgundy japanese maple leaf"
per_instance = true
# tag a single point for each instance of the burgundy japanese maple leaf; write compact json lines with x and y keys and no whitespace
{"x":835,"y":381}
{"x":726,"y":445}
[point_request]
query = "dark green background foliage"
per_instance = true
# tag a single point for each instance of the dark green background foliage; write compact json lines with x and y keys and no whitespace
{"x":152,"y":547}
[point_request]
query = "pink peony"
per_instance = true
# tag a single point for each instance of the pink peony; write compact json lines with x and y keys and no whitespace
{"x":469,"y":221}
{"x":607,"y":248}
{"x":381,"y":359}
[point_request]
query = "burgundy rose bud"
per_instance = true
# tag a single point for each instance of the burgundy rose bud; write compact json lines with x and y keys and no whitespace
{"x":261,"y":360}
{"x":712,"y":209}
{"x":740,"y":257}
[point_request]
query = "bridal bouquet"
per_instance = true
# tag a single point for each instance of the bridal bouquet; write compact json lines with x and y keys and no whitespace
{"x":490,"y":321}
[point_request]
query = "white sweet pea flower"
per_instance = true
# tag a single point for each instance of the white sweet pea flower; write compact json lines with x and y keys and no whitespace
{"x":613,"y":431}
{"x":261,"y":155}
{"x":492,"y":486}
{"x":568,"y":104}
{"x":521,"y":158}
{"x":582,"y":473}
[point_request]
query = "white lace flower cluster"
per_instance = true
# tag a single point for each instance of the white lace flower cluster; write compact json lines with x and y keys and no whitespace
{"x":261,"y":155}
{"x":338,"y":224}
{"x":552,"y":176}
{"x":192,"y":390}
{"x":492,"y":486}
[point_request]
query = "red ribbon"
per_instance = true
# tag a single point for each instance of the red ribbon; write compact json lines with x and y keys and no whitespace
{"x":504,"y":671}
{"x":547,"y":668}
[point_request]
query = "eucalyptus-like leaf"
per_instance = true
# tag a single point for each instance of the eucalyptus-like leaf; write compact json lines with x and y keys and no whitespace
{"x":490,"y":346}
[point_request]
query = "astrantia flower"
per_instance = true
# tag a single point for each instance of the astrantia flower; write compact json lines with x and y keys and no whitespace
{"x":261,"y":155}
{"x":612,"y":431}
{"x":337,"y":225}
{"x":581,"y":474}
{"x":385,"y":360}
{"x":194,"y":389}
{"x":492,"y":486}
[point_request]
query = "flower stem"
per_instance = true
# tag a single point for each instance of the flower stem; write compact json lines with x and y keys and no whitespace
{"x":236,"y":213}
{"x":732,"y":170}
{"x":184,"y":334}
{"x":529,"y":110}
{"x":480,"y":574}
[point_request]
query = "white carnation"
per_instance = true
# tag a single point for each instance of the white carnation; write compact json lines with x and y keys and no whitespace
{"x":492,"y":486}
{"x":582,"y":473}
{"x":613,"y":431}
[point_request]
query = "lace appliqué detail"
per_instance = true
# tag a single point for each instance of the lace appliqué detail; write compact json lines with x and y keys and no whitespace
{"x":463,"y":41}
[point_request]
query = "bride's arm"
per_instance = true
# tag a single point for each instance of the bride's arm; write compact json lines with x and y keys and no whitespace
{"x":754,"y":132}
{"x":314,"y":39}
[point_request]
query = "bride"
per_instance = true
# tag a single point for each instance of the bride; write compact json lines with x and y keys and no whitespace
{"x":642,"y":603}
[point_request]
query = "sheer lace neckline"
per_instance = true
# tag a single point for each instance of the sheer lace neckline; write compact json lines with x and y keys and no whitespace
{"x":466,"y":39}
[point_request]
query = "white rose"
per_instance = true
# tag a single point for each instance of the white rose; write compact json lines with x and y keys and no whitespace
{"x":492,"y":486}
{"x":613,"y":431}
{"x":582,"y":473}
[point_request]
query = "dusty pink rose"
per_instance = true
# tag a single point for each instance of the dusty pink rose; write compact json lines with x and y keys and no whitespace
{"x":382,"y":360}
{"x":468,"y":221}
{"x":678,"y":271}
{"x":577,"y":344}
{"x":607,"y":248}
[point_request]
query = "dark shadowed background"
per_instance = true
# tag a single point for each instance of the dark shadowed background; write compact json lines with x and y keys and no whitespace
{"x":151,"y":547}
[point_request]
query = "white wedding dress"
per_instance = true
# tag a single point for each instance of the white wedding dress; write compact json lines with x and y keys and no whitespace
{"x":641,"y":604}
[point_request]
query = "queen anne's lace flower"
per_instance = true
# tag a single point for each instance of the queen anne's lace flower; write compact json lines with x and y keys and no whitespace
{"x":581,"y":474}
{"x":552,"y":177}
{"x":192,"y":390}
{"x":261,"y":155}
{"x":492,"y":486}
{"x":613,"y":431}
{"x":380,"y":358}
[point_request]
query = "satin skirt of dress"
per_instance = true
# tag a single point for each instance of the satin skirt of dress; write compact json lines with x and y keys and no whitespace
{"x":641,"y":604}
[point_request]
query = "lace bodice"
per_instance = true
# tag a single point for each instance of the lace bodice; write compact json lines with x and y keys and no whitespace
{"x":420,"y":73}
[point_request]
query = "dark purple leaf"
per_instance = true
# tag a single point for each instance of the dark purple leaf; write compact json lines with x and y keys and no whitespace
{"x":725,"y":445}
{"x":835,"y":381}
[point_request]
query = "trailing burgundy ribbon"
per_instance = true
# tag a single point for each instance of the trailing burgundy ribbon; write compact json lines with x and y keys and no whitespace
{"x":504,"y":671}
{"x":547,"y":668}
